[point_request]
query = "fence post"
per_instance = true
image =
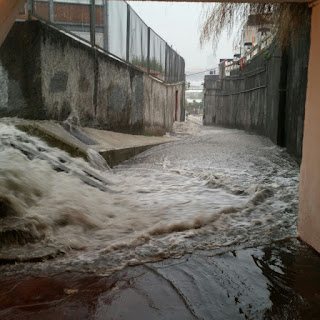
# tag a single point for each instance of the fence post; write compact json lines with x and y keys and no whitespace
{"x":51,"y":11}
{"x":165,"y":64}
{"x":178,"y":67}
{"x":30,"y":9}
{"x":128,"y":34}
{"x":148,"y":52}
{"x":93,"y":23}
{"x":105,"y":26}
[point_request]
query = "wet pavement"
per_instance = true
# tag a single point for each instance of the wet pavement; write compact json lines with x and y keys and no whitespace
{"x":278,"y":281}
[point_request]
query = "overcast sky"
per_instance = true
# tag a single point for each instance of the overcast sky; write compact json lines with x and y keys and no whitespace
{"x":178,"y":24}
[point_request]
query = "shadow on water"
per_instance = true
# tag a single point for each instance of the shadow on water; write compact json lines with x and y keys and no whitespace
{"x":278,"y":281}
{"x":293,"y":272}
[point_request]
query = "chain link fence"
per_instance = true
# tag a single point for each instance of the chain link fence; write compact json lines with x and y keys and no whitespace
{"x":116,"y":28}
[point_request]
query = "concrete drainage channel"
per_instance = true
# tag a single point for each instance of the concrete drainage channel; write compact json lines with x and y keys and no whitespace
{"x":114,"y":147}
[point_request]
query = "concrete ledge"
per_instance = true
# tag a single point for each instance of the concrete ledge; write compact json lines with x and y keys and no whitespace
{"x":116,"y":156}
{"x":55,"y":136}
{"x":113,"y":146}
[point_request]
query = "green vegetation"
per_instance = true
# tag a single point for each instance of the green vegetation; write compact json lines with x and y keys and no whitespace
{"x":143,"y":62}
{"x":266,"y":55}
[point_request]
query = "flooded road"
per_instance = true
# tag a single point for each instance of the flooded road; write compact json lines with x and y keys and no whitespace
{"x":200,"y":228}
{"x":214,"y":188}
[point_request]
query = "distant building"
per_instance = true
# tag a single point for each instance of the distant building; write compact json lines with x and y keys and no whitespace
{"x":72,"y":15}
{"x":256,"y":28}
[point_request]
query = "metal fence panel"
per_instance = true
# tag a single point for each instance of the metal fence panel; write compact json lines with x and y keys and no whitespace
{"x":169,"y":61}
{"x":182,"y":70}
{"x":73,"y":16}
{"x":41,"y":9}
{"x":101,"y":36}
{"x":157,"y":56}
{"x":70,"y":15}
{"x":102,"y":20}
{"x":117,"y":28}
{"x":175,"y":66}
{"x":138,"y":41}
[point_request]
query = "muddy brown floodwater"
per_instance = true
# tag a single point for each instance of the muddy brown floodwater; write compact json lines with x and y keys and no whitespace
{"x":200,"y":228}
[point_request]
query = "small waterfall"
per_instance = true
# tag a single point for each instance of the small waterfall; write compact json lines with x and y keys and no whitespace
{"x":76,"y":132}
{"x":97,"y":161}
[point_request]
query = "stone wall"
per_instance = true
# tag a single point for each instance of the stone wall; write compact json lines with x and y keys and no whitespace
{"x":267,"y":97}
{"x":50,"y":75}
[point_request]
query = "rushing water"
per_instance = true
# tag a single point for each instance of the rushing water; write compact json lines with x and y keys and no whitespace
{"x":212,"y":188}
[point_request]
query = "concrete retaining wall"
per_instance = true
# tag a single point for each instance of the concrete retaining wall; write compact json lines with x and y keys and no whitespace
{"x":49,"y":75}
{"x":297,"y":79}
{"x":309,"y":200}
{"x":241,"y":100}
{"x":267,"y":97}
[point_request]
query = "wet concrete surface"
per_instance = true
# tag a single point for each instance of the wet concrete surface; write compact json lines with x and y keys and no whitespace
{"x":276,"y":281}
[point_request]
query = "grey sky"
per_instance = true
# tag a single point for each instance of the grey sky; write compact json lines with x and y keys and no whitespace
{"x":178,"y":24}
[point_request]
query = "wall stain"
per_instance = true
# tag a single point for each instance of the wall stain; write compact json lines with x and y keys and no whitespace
{"x":58,"y":83}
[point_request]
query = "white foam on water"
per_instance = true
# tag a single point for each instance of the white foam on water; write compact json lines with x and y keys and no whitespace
{"x":213,"y":188}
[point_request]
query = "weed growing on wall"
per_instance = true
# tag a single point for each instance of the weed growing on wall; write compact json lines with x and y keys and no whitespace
{"x":143,"y":62}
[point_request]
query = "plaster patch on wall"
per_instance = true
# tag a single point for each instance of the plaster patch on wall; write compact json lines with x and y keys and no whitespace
{"x":58,"y":83}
